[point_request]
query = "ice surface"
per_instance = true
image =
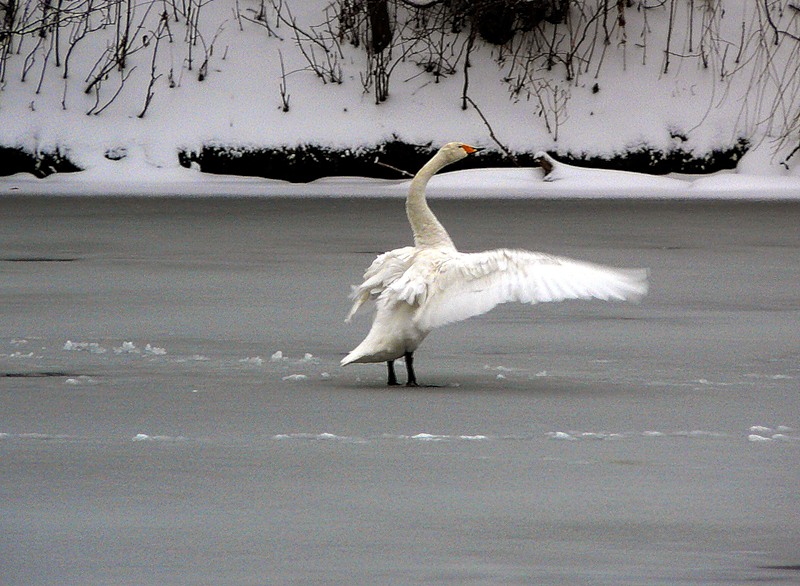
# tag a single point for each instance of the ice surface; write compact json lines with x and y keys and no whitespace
{"x":462,"y":481}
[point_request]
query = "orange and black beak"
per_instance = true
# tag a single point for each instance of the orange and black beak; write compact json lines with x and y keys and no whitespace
{"x":470,"y":149}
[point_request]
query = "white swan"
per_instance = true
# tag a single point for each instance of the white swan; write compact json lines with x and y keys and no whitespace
{"x":418,"y":288}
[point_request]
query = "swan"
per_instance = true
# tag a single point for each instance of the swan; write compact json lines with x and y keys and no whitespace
{"x":421,"y":287}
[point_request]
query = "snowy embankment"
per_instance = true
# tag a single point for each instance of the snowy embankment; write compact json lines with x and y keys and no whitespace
{"x":134,"y":176}
{"x":263,"y":88}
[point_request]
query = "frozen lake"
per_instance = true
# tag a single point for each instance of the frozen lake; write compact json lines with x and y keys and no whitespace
{"x":151,"y":433}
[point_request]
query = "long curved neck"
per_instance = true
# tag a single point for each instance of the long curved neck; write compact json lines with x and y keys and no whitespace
{"x":428,"y":231}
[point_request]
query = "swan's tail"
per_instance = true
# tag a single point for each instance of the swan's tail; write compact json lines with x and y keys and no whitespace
{"x":356,"y":355}
{"x":369,"y":351}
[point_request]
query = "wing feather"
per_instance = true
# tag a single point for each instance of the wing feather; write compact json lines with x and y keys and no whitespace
{"x":384,"y":270}
{"x":471,"y":284}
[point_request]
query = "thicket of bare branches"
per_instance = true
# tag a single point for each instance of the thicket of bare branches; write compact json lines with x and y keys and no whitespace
{"x":544,"y":49}
{"x":45,"y":34}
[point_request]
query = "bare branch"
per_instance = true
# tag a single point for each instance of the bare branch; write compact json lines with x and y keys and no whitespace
{"x":492,"y":135}
{"x":393,"y":168}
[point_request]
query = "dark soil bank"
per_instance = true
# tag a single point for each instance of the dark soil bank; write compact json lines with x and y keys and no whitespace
{"x":389,"y":160}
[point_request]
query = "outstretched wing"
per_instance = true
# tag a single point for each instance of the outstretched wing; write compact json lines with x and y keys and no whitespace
{"x":471,"y":284}
{"x":383,"y":271}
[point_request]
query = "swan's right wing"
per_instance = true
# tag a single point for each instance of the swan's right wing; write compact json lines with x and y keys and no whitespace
{"x":471,"y":284}
{"x":383,"y":271}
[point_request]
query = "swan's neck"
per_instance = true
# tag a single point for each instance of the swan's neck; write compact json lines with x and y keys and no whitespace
{"x":428,"y":231}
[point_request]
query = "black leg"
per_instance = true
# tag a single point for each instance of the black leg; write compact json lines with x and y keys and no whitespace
{"x":412,"y":379}
{"x":392,"y":376}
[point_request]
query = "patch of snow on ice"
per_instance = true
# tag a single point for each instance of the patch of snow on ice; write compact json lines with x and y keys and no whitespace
{"x":295,"y":377}
{"x":254,"y":360}
{"x":593,"y":435}
{"x":560,"y":435}
{"x":699,"y":433}
{"x":80,"y":380}
{"x":325,"y":436}
{"x":277,"y":357}
{"x":143,"y":437}
{"x":126,"y":348}
{"x":499,"y":368}
{"x":92,"y":347}
{"x":760,"y":429}
{"x":40,"y":436}
{"x":763,"y":433}
{"x":626,"y":435}
{"x":769,"y":376}
{"x":428,"y":437}
{"x":154,"y":350}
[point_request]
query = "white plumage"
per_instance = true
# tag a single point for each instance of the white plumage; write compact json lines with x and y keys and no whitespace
{"x":421,"y":287}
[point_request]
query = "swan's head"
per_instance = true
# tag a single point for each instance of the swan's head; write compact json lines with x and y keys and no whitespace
{"x":455,"y":151}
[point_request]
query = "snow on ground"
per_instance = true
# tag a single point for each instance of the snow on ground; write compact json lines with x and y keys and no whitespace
{"x":130,"y":176}
{"x":630,"y":103}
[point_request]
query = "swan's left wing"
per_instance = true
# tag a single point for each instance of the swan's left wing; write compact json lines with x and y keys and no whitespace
{"x":471,"y":284}
{"x":384,"y":270}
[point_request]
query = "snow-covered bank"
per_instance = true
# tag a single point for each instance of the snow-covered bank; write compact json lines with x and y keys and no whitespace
{"x":133,"y":175}
{"x":258,"y":88}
